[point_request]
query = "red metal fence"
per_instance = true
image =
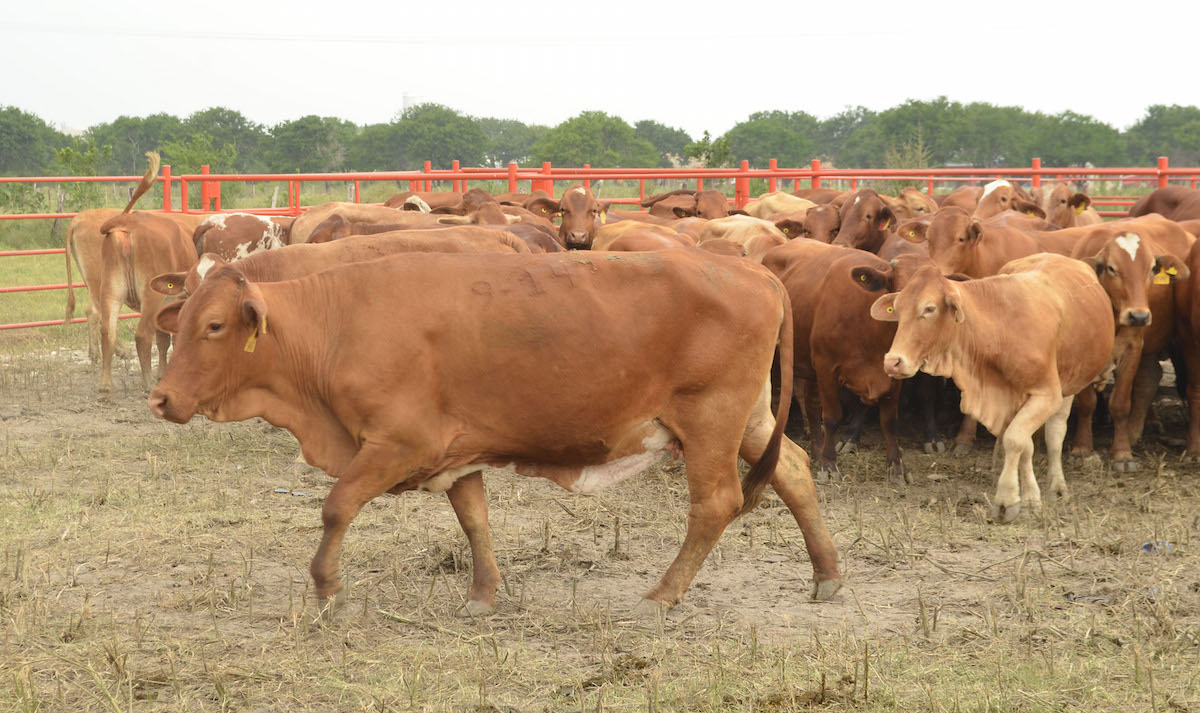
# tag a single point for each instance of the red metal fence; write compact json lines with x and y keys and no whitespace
{"x":544,"y":178}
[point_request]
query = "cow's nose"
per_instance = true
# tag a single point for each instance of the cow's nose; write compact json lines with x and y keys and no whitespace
{"x":891,"y":364}
{"x":158,"y":404}
{"x":1140,"y":318}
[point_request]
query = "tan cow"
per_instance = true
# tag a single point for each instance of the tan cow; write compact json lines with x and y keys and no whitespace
{"x":429,"y":401}
{"x":1001,"y":195}
{"x":1063,"y":208}
{"x":1019,"y":345}
{"x":306,"y":224}
{"x":686,"y":203}
{"x":629,"y":235}
{"x":770,"y":204}
{"x":756,"y":236}
{"x":911,"y":204}
{"x":234,"y":236}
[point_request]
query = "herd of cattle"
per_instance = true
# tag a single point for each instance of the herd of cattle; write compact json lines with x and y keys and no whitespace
{"x":409,"y":344}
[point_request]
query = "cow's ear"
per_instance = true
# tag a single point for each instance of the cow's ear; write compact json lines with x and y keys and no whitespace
{"x":254,"y":309}
{"x":1168,"y":269}
{"x":870,"y":279}
{"x":1079,"y":202}
{"x":545,"y":207}
{"x":1096,"y":262}
{"x":957,"y":277}
{"x":974,"y":231}
{"x":167,"y":319}
{"x":955,"y":306}
{"x":440,"y":210}
{"x":885,"y":219}
{"x":453,"y":220}
{"x":913,"y":231}
{"x":169,"y":283}
{"x":1024,"y":206}
{"x":737,"y":211}
{"x":884,"y":308}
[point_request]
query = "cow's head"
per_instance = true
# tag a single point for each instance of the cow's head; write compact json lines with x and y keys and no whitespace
{"x":581,"y":215}
{"x":911,"y":204}
{"x":927,"y":310}
{"x":217,"y":331}
{"x":821,"y":222}
{"x":1060,"y":205}
{"x":951,"y":234}
{"x":1127,"y":271}
{"x":1000,"y":195}
{"x":335,"y":227}
{"x":865,"y":220}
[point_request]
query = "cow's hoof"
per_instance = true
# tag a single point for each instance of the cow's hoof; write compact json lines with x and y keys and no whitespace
{"x":935,"y":447}
{"x":650,"y":609}
{"x":1126,"y":466}
{"x":1004,"y":514}
{"x":962,"y":449}
{"x":475,"y":608}
{"x":824,"y":591}
{"x":1060,"y":494}
{"x":329,"y":607}
{"x":897,"y":473}
{"x":826,"y":473}
{"x":1033,"y":506}
{"x":1190,"y":457}
{"x":847,"y":447}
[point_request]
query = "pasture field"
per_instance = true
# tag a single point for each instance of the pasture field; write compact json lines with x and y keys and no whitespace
{"x":151,"y":566}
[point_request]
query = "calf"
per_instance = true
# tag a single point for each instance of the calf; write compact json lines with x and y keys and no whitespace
{"x":1013,"y":380}
{"x":1064,"y":209}
{"x":235,"y":235}
{"x":429,"y":401}
{"x":999,"y":196}
{"x":865,"y":219}
{"x":581,"y":215}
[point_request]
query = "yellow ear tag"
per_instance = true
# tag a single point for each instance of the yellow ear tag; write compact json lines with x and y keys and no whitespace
{"x":886,"y":224}
{"x":170,"y":286}
{"x":544,"y":210}
{"x":604,"y":218}
{"x":1162,"y":278}
{"x":889,"y":309}
{"x":912,"y":233}
{"x":1080,"y":208}
{"x":1172,"y":271}
{"x":862,"y":278}
{"x":1029,"y":212}
{"x":253,"y":340}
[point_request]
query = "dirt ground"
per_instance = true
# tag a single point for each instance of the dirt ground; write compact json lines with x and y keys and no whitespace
{"x":151,"y":566}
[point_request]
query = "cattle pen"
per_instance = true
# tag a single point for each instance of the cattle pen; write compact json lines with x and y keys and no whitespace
{"x":155,"y":566}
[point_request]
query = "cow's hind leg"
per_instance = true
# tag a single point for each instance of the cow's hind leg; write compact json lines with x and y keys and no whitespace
{"x":469,"y":500}
{"x":793,"y":483}
{"x":1018,"y":453}
{"x":1056,"y":433}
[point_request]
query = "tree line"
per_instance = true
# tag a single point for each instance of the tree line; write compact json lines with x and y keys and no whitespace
{"x":915,"y":134}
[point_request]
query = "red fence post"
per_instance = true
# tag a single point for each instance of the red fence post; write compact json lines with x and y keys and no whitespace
{"x":699,"y":184}
{"x":204,"y":197}
{"x":1163,"y":163}
{"x":183,"y":195}
{"x":356,"y":199}
{"x":455,"y":183}
{"x":741,"y":187}
{"x":512,"y":176}
{"x":1036,"y":170}
{"x":816,"y":172}
{"x":773,"y":165}
{"x":547,"y":183}
{"x":166,"y":175}
{"x":931,"y":186}
{"x":428,"y":184}
{"x":587,"y":180}
{"x":296,"y":209}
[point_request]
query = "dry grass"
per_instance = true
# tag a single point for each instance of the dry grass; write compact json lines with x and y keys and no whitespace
{"x":149,"y":566}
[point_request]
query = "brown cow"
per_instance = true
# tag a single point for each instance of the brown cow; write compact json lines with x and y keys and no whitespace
{"x":1063,"y":208}
{"x":1173,"y":202}
{"x":1187,"y":322}
{"x":235,"y":235}
{"x":428,"y":200}
{"x":911,"y":204}
{"x":820,"y":196}
{"x":964,"y":197}
{"x":755,"y":236}
{"x":865,"y":219}
{"x":999,"y":196}
{"x":1136,"y":269}
{"x":685,"y":203}
{"x":431,"y":400}
{"x":1020,"y":345}
{"x":629,"y":235}
{"x":821,"y":222}
{"x":581,"y":215}
{"x":305,"y":225}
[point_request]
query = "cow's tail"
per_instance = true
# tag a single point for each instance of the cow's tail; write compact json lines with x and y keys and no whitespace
{"x":147,"y":180}
{"x":70,"y":281}
{"x":761,"y":472}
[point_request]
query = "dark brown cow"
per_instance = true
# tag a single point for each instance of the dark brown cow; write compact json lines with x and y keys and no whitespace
{"x":1020,"y":345}
{"x":581,"y":215}
{"x":865,"y":220}
{"x":432,"y":399}
{"x":1187,"y":321}
{"x":685,"y":203}
{"x":1136,"y":270}
{"x":1173,"y":202}
{"x":234,"y":236}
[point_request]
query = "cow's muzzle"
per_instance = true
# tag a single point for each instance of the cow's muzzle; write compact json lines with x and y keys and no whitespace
{"x":166,"y":408}
{"x":1136,"y":318}
{"x":579,"y":240}
{"x":897,"y":366}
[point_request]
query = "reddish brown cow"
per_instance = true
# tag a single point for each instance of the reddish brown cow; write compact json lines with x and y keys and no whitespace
{"x":685,"y":203}
{"x":307,"y":222}
{"x":629,"y":235}
{"x":821,"y":222}
{"x":820,"y":196}
{"x":964,"y":197}
{"x":235,"y":235}
{"x":999,"y":196}
{"x":431,"y":199}
{"x":1020,"y":345}
{"x":865,"y":220}
{"x":1187,"y":321}
{"x":581,"y":215}
{"x":911,"y":204}
{"x":1173,"y":202}
{"x":1063,"y":208}
{"x":1136,"y":270}
{"x":432,"y":399}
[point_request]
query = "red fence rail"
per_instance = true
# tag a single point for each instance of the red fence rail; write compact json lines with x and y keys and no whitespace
{"x":459,"y":178}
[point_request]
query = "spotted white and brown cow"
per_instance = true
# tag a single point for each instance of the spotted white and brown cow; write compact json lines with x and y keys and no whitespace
{"x":234,"y":236}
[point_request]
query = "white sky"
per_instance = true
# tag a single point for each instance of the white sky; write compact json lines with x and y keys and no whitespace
{"x":697,"y":65}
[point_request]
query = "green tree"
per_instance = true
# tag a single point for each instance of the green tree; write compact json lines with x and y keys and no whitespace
{"x":1171,"y":131}
{"x":1070,"y":139}
{"x":310,"y":144}
{"x":229,"y":127}
{"x":188,"y":154}
{"x":427,"y":132}
{"x":832,"y":133}
{"x":82,"y":158}
{"x":132,"y":136}
{"x":26,"y":143}
{"x":509,"y":140}
{"x":598,"y":139}
{"x":786,"y":136}
{"x":669,"y":142}
{"x":712,"y":153}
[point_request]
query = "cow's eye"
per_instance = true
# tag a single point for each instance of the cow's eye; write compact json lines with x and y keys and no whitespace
{"x":929,"y":309}
{"x":214,"y":327}
{"x":1112,"y":270}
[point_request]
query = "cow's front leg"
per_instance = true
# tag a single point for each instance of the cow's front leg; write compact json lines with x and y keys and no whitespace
{"x":469,"y":500}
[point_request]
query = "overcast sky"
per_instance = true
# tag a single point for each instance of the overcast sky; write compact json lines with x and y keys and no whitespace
{"x":693,"y":65}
